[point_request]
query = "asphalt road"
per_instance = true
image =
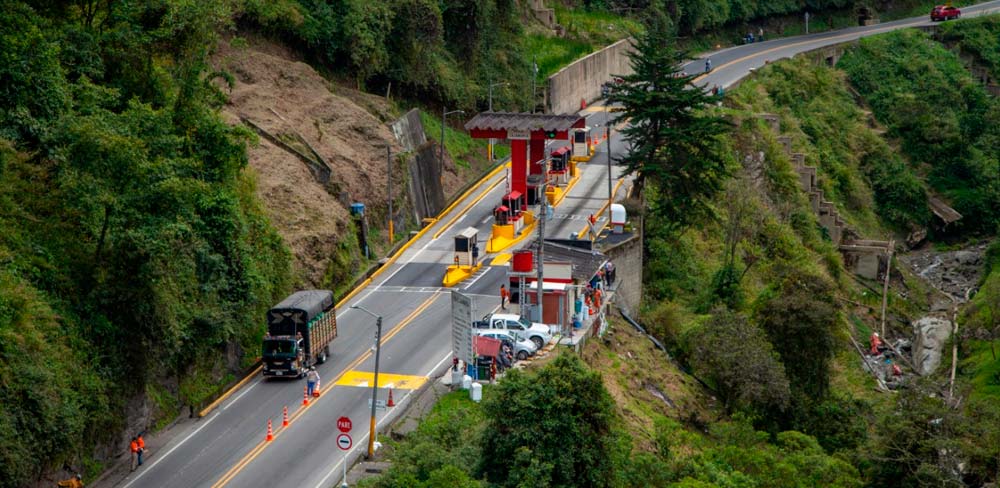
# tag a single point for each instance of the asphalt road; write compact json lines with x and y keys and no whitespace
{"x":227,"y":447}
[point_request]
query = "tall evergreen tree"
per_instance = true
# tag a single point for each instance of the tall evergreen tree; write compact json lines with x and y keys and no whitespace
{"x":673,"y":138}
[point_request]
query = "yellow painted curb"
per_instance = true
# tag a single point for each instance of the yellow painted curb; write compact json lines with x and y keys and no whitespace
{"x":229,"y":392}
{"x":456,"y":274}
{"x":502,"y":259}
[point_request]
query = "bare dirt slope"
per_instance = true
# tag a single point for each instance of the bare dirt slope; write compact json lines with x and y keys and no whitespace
{"x":288,"y":98}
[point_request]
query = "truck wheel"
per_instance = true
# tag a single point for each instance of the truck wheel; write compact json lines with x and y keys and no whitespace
{"x":521,"y":355}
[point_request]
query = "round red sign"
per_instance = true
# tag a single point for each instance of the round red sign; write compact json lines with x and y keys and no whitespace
{"x":344,"y":424}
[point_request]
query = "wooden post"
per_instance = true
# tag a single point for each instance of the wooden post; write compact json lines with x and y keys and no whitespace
{"x":885,"y":287}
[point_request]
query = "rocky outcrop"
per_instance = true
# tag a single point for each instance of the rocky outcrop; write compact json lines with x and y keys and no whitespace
{"x":931,"y":334}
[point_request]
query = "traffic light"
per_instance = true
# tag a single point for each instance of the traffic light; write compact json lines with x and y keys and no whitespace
{"x":550,"y":134}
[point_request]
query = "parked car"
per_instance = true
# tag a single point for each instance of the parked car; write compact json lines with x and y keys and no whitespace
{"x":537,"y":333}
{"x":523,"y":348}
{"x":945,"y":12}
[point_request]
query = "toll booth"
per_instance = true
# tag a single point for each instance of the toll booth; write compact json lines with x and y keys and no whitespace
{"x":559,"y":166}
{"x":466,"y":260}
{"x":582,"y":145}
{"x":534,"y":188}
{"x":467,"y":247}
{"x":514,"y":202}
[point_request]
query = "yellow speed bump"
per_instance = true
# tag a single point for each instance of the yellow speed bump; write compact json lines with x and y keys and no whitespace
{"x":364,"y":379}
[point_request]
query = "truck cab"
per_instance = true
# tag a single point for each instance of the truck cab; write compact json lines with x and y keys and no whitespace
{"x":283,"y":356}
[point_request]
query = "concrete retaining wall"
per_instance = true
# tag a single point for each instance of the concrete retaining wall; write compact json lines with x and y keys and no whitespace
{"x":422,"y":164}
{"x":627,"y":258}
{"x":582,"y":80}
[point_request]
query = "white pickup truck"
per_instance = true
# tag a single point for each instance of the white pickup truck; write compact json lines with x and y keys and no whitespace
{"x":516,"y":326}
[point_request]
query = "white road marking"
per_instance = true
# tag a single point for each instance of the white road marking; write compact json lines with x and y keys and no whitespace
{"x":476,"y":278}
{"x":172,"y":449}
{"x":364,"y":439}
{"x":487,"y":219}
{"x":245,"y":391}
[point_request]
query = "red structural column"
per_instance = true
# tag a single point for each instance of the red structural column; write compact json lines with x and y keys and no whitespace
{"x":519,"y":166}
{"x":537,"y":154}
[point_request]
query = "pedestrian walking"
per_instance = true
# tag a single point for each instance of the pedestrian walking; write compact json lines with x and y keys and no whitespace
{"x":609,"y":273}
{"x":504,"y":297}
{"x":312,"y":379}
{"x":760,"y":34}
{"x":876,"y":343}
{"x":142,"y":448}
{"x":708,"y":64}
{"x":133,"y":448}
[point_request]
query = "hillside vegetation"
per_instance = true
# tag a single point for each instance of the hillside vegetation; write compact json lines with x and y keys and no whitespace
{"x":133,"y":251}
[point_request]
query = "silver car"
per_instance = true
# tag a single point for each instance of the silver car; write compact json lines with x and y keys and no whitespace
{"x":523,"y":348}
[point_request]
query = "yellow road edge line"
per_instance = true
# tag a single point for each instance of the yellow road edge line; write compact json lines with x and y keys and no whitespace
{"x":420,"y":234}
{"x":604,"y":207}
{"x":211,"y":406}
{"x":800,"y":43}
{"x":250,"y":456}
{"x":467,"y":207}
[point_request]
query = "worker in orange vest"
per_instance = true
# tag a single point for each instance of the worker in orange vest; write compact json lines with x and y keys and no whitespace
{"x":142,"y":447}
{"x":74,"y":482}
{"x":876,"y":342}
{"x":504,"y":297}
{"x":134,"y":449}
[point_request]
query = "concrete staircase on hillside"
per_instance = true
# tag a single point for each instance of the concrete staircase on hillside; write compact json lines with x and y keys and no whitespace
{"x":863,"y":257}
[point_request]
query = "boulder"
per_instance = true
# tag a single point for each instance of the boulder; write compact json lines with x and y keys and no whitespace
{"x":931,"y":333}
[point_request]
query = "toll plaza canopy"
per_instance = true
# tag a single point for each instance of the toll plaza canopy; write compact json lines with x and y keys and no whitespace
{"x":527,"y":133}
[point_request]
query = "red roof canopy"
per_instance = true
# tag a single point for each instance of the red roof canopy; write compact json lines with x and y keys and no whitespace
{"x":514,"y":195}
{"x":560,"y":151}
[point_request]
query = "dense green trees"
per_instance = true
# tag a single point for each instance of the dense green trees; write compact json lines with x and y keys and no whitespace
{"x":133,"y":248}
{"x":674,"y":142}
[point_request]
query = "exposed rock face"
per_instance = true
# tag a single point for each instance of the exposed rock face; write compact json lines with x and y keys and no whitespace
{"x":931,"y":333}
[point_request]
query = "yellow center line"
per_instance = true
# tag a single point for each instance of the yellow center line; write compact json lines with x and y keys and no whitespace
{"x":259,"y":448}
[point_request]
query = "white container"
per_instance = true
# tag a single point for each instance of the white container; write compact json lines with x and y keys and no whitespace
{"x":456,"y":378}
{"x":466,"y":382}
{"x":477,"y":392}
{"x":618,"y":218}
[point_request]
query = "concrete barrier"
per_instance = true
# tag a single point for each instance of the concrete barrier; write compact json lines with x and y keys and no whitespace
{"x":582,"y":79}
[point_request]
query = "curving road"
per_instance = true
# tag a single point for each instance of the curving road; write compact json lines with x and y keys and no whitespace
{"x":227,"y":447}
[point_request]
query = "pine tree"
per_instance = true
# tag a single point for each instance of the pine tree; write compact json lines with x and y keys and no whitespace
{"x":673,"y":137}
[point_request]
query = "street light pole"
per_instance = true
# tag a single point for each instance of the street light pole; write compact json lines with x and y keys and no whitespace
{"x":611,"y":196}
{"x":444,"y":119}
{"x":490,"y":146}
{"x":378,"y":350}
{"x":388,"y":172}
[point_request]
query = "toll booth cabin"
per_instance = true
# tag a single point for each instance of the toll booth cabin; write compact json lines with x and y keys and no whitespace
{"x":467,"y":247}
{"x":510,"y":211}
{"x":559,"y":166}
{"x":582,"y":146}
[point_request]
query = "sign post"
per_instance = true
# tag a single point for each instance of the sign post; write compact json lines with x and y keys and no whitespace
{"x":461,"y":332}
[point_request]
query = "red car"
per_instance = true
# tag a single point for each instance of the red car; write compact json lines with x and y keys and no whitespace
{"x":945,"y":12}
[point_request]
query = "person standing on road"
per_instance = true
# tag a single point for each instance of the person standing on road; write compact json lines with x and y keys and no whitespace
{"x":142,"y":447}
{"x":504,"y":297}
{"x":134,"y":450}
{"x":312,"y":379}
{"x":708,"y":64}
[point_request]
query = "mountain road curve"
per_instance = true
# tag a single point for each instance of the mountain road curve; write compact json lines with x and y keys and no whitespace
{"x":227,"y":447}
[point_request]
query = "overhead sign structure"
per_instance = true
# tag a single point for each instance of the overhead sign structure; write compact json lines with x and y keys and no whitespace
{"x":461,"y":326}
{"x":344,"y":442}
{"x":344,"y":424}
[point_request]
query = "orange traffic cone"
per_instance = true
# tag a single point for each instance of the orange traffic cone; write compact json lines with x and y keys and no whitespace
{"x":284,"y":417}
{"x":305,"y":396}
{"x":270,"y":433}
{"x":390,"y":403}
{"x":316,"y":390}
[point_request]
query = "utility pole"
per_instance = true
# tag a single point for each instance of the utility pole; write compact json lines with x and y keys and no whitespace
{"x":542,"y":210}
{"x":388,"y":166}
{"x":534,"y":75}
{"x":444,"y":119}
{"x":807,"y":22}
{"x":378,"y":350}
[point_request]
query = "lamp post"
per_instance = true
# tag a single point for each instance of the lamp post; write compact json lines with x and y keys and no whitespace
{"x":490,"y":146}
{"x":388,"y":172}
{"x":444,"y":118}
{"x":611,"y":196}
{"x":378,"y":349}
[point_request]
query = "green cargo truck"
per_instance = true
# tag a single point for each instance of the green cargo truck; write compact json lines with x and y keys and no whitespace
{"x":299,"y":332}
